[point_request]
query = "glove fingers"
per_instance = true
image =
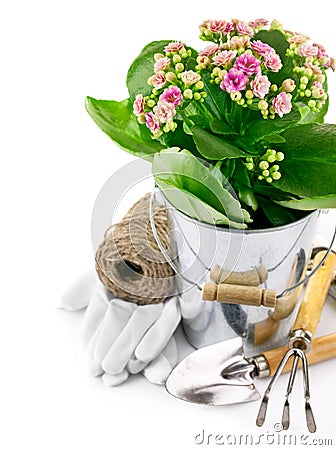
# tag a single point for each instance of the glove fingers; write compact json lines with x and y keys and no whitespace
{"x":158,"y":370}
{"x":135,"y":366}
{"x":124,"y":346}
{"x":170,"y":352}
{"x":94,"y":365}
{"x":159,"y":334}
{"x":78,"y":294}
{"x":94,"y":314}
{"x":114,"y":321}
{"x":114,"y":380}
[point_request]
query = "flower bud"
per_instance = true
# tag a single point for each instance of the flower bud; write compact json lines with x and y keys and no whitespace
{"x":179,"y":67}
{"x":176,"y":58}
{"x":262,"y":105}
{"x":188,"y":93}
{"x":249,"y":166}
{"x":304,"y":80}
{"x":312,"y":103}
{"x":276,"y":175}
{"x":308,"y":72}
{"x":288,"y":85}
{"x":269,"y":179}
{"x":265,"y":173}
{"x":158,"y":56}
{"x":235,"y":96}
{"x":151,"y":103}
{"x":274,"y":87}
{"x":170,"y":76}
{"x":141,"y":119}
{"x":279,"y":156}
{"x":197,"y":95}
{"x":249,"y":94}
{"x":263,"y":165}
{"x":317,"y":93}
{"x":199,"y":85}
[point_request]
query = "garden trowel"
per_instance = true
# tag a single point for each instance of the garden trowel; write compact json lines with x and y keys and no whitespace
{"x":220,"y":374}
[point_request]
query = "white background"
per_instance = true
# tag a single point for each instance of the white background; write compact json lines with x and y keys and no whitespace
{"x":54,"y":161}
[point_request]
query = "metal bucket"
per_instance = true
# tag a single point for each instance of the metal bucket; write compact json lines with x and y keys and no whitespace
{"x":284,"y":251}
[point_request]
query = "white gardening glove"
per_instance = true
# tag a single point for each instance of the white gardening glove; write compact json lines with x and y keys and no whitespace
{"x":79,"y":293}
{"x":120,"y":337}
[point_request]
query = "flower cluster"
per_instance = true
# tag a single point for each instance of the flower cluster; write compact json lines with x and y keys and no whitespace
{"x":173,"y":86}
{"x":264,"y":166}
{"x":242,"y":65}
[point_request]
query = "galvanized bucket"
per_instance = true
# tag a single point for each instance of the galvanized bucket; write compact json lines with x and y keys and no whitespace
{"x":200,"y":247}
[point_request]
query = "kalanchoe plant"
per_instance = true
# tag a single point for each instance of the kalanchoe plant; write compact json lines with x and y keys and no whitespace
{"x":244,"y":115}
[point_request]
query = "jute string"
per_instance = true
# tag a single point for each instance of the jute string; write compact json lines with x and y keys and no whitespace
{"x":128,"y":260}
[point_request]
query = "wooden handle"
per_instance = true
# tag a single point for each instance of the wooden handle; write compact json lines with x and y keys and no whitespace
{"x":323,"y":348}
{"x":316,"y":292}
{"x":242,"y":295}
{"x":253,"y":277}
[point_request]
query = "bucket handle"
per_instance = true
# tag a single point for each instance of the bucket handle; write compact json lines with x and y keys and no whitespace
{"x":193,"y":283}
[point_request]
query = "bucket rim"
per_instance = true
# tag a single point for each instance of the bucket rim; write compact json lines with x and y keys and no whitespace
{"x":221,"y":229}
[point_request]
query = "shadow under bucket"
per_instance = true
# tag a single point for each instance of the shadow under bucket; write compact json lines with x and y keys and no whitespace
{"x":204,"y":252}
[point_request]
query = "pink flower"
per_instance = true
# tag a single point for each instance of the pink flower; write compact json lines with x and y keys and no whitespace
{"x":158,"y":80}
{"x":248,"y":64}
{"x":317,"y":84}
{"x":260,"y":86}
{"x":172,"y":95}
{"x":164,"y":111}
{"x":139,"y":105}
{"x":234,"y":81}
{"x":272,"y":61}
{"x":224,"y":57}
{"x":282,"y":104}
{"x":152,"y":122}
{"x":174,"y":47}
{"x":229,"y":27}
{"x":162,"y":64}
{"x":209,"y":50}
{"x":259,"y":23}
{"x":243,"y":28}
{"x":203,"y":61}
{"x":239,"y":42}
{"x":217,"y":26}
{"x":298,"y":38}
{"x":190,"y":77}
{"x":307,"y":50}
{"x":261,"y":48}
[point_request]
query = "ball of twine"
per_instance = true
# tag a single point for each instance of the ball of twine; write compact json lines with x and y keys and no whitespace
{"x":129,"y":262}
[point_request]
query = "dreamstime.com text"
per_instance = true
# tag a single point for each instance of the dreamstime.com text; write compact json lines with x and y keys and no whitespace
{"x":275,"y":438}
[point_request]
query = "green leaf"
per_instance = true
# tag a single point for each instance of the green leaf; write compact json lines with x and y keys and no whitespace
{"x":192,"y":206}
{"x":309,"y":167}
{"x":213,"y":147}
{"x":221,"y":127}
{"x":179,"y":138}
{"x":273,"y":138}
{"x":276,"y":214}
{"x":217,"y":101}
{"x":326,"y":202}
{"x":142,"y":68}
{"x":117,"y":120}
{"x":183,"y":171}
{"x":258,"y":129}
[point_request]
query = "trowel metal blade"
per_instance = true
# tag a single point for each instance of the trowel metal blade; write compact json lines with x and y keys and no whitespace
{"x":218,"y":374}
